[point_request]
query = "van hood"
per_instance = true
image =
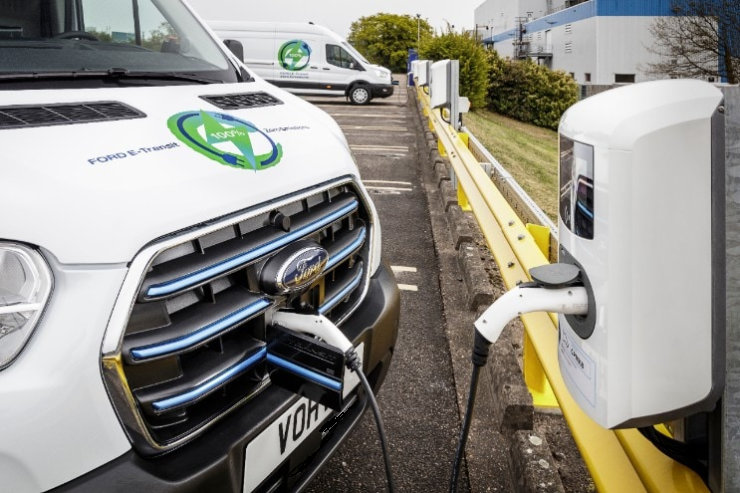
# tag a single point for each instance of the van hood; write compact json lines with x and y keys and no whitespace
{"x":98,"y":192}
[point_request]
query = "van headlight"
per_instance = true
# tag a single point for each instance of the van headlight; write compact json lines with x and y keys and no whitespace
{"x":382,"y":74}
{"x":25,"y":284}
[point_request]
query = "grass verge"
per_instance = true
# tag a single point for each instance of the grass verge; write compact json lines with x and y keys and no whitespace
{"x":528,"y":152}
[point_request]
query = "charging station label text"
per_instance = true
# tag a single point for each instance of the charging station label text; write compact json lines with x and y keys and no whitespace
{"x":578,"y":366}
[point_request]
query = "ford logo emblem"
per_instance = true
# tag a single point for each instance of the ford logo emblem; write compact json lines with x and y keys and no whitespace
{"x":294,"y":268}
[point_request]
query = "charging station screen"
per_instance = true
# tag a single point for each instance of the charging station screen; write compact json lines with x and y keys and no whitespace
{"x":577,"y":187}
{"x":566,"y":180}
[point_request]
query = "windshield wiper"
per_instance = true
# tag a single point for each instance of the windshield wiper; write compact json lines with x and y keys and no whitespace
{"x":113,"y":73}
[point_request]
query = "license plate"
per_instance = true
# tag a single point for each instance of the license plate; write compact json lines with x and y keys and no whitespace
{"x":276,"y":442}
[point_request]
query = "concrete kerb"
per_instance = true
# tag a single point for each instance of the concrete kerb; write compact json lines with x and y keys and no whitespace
{"x":532,"y":464}
{"x":504,"y":410}
{"x":487,"y":465}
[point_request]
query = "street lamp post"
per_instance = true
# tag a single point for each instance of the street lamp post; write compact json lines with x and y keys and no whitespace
{"x":418,"y":31}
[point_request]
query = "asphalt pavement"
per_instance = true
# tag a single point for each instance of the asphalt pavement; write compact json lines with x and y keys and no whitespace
{"x":417,"y":400}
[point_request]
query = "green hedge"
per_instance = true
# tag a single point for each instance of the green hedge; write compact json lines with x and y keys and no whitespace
{"x":474,"y":67}
{"x":529,"y":92}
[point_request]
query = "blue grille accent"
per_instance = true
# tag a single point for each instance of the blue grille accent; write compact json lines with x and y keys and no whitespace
{"x":205,"y":333}
{"x":303,"y":372}
{"x":346,"y":251}
{"x":175,"y":285}
{"x":334,"y":300}
{"x":210,"y":385}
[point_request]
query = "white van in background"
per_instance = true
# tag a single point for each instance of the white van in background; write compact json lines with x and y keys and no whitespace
{"x":306,"y":58}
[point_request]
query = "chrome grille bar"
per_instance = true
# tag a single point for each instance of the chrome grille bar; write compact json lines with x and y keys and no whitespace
{"x":195,"y":278}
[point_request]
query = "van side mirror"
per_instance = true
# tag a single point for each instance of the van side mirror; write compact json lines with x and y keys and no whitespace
{"x":352,"y":66}
{"x":236,"y":48}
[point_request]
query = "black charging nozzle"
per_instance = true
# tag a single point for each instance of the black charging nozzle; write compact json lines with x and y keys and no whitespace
{"x":554,"y":288}
{"x":309,"y":353}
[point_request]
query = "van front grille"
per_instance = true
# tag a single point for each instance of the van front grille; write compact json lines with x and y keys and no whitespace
{"x":195,"y":343}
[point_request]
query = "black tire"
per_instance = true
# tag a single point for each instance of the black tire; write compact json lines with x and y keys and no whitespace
{"x":360,"y":94}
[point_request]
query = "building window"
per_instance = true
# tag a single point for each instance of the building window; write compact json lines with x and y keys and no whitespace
{"x":588,"y":77}
{"x":569,"y":47}
{"x":572,"y":75}
{"x":568,"y":28}
{"x":624,"y":78}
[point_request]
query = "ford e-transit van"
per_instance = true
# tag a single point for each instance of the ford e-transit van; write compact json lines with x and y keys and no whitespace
{"x":307,"y":59}
{"x":148,"y":179}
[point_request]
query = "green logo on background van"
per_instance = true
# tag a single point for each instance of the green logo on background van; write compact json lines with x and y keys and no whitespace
{"x":294,"y":55}
{"x":226,"y":139}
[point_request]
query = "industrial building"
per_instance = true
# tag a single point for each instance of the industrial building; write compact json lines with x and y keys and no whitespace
{"x":596,"y":41}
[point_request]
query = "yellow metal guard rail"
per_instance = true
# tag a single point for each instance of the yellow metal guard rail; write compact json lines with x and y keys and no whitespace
{"x":620,"y":461}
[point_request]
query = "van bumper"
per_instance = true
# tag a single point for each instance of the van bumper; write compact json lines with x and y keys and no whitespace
{"x":381,"y":90}
{"x":216,"y":460}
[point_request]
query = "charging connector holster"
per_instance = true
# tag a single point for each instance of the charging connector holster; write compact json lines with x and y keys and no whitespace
{"x":306,"y":366}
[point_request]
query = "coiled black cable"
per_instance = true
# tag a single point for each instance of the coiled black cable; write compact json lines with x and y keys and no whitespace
{"x":480,"y":357}
{"x":353,"y":363}
{"x":465,"y":429}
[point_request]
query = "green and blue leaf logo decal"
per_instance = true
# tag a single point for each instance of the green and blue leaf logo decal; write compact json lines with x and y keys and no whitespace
{"x":226,"y":139}
{"x":294,"y":55}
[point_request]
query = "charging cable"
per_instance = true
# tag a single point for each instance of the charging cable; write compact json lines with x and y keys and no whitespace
{"x":323,"y":328}
{"x":556,"y":288}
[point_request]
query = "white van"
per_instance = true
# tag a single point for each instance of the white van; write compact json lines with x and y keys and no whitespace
{"x":147,"y":179}
{"x":307,"y":59}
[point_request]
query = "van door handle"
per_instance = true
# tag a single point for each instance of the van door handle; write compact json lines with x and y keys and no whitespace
{"x":313,"y":67}
{"x":326,"y":68}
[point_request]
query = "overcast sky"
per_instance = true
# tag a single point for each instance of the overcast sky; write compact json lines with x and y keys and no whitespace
{"x":337,"y":15}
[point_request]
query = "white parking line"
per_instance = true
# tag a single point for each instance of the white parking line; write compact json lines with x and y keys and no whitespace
{"x":389,"y":128}
{"x":408,"y":287}
{"x":389,"y":189}
{"x":361,"y":133}
{"x":379,"y":147}
{"x":390,"y":182}
{"x":398,"y":116}
{"x":402,"y":268}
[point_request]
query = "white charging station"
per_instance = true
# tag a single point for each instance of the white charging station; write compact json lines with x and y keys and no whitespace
{"x":444,"y":90}
{"x":422,"y":73}
{"x":642,"y":215}
{"x":440,"y":83}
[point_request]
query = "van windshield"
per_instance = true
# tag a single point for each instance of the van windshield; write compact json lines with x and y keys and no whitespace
{"x":157,"y":40}
{"x":354,"y":52}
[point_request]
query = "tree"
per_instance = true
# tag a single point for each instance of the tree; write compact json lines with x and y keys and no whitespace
{"x":474,"y":65}
{"x":385,"y":39}
{"x":529,"y":92}
{"x":701,"y":39}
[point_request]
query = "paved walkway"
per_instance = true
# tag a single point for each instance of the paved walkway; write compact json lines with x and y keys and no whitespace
{"x":418,"y":397}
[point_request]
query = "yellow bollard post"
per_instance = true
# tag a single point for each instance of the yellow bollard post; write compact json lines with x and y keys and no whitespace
{"x":541,"y":235}
{"x":441,"y":148}
{"x":535,"y":378}
{"x":465,"y":139}
{"x":462,"y":199}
